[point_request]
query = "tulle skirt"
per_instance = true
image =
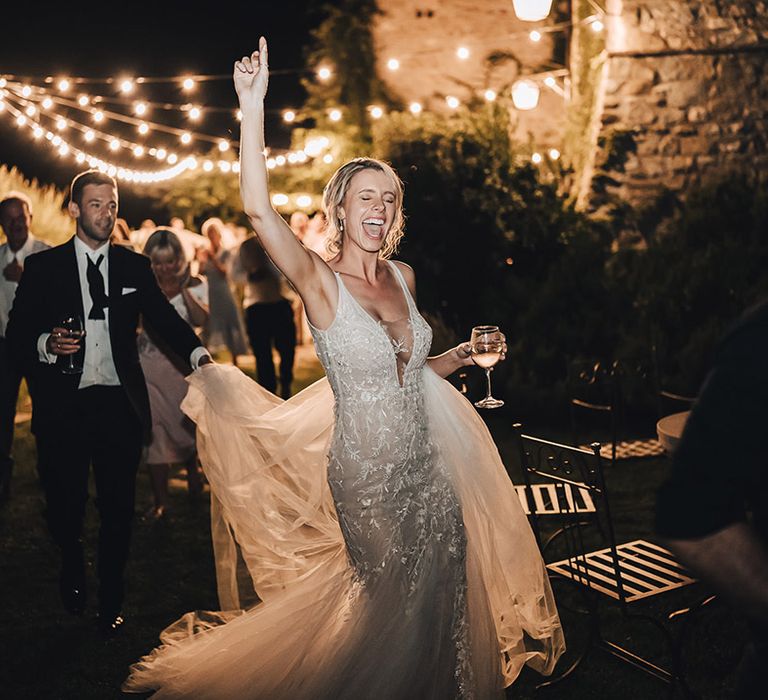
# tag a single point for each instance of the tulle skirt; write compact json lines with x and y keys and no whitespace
{"x":318,"y":631}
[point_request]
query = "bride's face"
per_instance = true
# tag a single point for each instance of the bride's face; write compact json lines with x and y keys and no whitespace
{"x":368,"y":209}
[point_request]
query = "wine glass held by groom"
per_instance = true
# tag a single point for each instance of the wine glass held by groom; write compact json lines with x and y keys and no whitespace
{"x":99,"y":417}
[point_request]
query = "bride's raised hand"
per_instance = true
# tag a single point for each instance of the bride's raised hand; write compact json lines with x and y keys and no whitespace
{"x":251,"y":74}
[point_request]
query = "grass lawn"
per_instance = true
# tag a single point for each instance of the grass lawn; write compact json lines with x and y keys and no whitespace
{"x":47,"y":654}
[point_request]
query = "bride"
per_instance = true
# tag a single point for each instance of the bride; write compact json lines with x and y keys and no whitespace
{"x":371,"y":513}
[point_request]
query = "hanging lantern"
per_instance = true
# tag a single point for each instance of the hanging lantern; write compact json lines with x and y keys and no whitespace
{"x":525,"y":94}
{"x":532,"y":10}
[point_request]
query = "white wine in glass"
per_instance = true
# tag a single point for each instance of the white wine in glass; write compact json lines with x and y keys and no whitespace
{"x":73,"y":364}
{"x":487,"y":344}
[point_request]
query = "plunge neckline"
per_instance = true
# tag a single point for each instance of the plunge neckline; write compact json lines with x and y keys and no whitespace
{"x":381,"y":324}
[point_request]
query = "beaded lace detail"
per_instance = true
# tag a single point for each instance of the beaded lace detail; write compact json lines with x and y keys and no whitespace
{"x":400,"y":517}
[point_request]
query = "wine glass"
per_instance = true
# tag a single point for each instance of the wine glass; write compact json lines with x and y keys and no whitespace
{"x":73,"y":325}
{"x":487,"y":344}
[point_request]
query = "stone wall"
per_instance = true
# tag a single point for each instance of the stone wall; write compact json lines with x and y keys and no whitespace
{"x":424,"y":36}
{"x":684,"y":96}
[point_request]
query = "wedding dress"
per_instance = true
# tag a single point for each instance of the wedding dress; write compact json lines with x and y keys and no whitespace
{"x":373,"y":517}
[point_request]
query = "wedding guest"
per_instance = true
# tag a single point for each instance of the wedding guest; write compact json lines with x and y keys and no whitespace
{"x":16,"y":221}
{"x":94,"y":412}
{"x":268,"y":315}
{"x":713,"y":510}
{"x":173,"y":434}
{"x":225,"y":324}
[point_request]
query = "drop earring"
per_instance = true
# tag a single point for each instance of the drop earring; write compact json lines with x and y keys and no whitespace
{"x":341,"y":225}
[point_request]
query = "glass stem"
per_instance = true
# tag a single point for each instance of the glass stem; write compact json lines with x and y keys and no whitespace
{"x":488,"y":379}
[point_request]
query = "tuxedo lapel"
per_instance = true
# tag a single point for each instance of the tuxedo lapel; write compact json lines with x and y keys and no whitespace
{"x":115,"y":281}
{"x":75,"y":304}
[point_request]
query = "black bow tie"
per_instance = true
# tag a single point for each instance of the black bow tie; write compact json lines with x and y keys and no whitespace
{"x":96,"y":288}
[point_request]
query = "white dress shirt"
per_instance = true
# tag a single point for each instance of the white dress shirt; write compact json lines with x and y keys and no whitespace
{"x":98,"y":364}
{"x":7,"y":287}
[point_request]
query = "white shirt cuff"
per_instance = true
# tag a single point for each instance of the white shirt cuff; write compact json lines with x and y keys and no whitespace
{"x":198,"y":354}
{"x":43,"y":354}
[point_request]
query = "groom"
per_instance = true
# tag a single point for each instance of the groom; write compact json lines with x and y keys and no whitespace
{"x":100,"y":416}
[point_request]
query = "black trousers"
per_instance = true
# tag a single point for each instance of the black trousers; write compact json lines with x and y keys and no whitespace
{"x":104,"y":432}
{"x":268,"y":324}
{"x":10,"y":381}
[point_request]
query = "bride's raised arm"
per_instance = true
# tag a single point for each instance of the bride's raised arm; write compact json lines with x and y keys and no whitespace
{"x":307,"y":272}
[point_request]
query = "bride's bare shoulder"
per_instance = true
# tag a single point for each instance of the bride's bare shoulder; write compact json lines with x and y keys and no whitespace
{"x":408,"y":274}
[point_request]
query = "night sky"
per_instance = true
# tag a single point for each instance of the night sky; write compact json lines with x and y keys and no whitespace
{"x":160,"y":38}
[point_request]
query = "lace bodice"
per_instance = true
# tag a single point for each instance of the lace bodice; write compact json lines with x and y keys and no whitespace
{"x":377,"y":390}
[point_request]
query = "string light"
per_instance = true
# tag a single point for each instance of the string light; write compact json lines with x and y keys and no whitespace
{"x":376,"y":111}
{"x":279,"y":199}
{"x":536,"y":158}
{"x":207,"y":165}
{"x":160,"y":154}
{"x":138,"y":151}
{"x":334,"y":115}
{"x":452,"y":102}
{"x":554,"y":154}
{"x":63,"y":85}
{"x":415,"y":108}
{"x":61,"y":124}
{"x":535,"y":36}
{"x":393,"y":64}
{"x":114,"y":145}
{"x":188,"y":84}
{"x":327,"y":158}
{"x":239,"y":115}
{"x":26,"y":91}
{"x":82,"y":100}
{"x":597,"y":26}
{"x":525,"y":94}
{"x":98,"y":116}
{"x":89,"y":135}
{"x":289,"y":116}
{"x":223,"y":145}
{"x":532,"y":10}
{"x":47,"y":103}
{"x":195,"y":113}
{"x":31,"y":111}
{"x":186,"y":138}
{"x":490,"y":95}
{"x":172,"y":158}
{"x":324,"y":73}
{"x":140,"y":109}
{"x":463,"y":53}
{"x":143,"y":128}
{"x":21,"y":120}
{"x":304,"y":201}
{"x":126,"y":86}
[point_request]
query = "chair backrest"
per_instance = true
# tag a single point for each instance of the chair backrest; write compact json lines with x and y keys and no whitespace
{"x":594,"y":398}
{"x":562,"y":469}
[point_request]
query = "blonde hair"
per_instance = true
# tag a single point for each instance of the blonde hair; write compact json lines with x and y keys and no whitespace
{"x":164,"y":237}
{"x":333,"y":198}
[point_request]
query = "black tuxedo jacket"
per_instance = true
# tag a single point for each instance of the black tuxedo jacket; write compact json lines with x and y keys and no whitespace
{"x":50,"y":290}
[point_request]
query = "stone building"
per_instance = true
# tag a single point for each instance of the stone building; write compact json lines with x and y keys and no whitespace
{"x":668,"y":94}
{"x":682,"y":96}
{"x":424,"y":37}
